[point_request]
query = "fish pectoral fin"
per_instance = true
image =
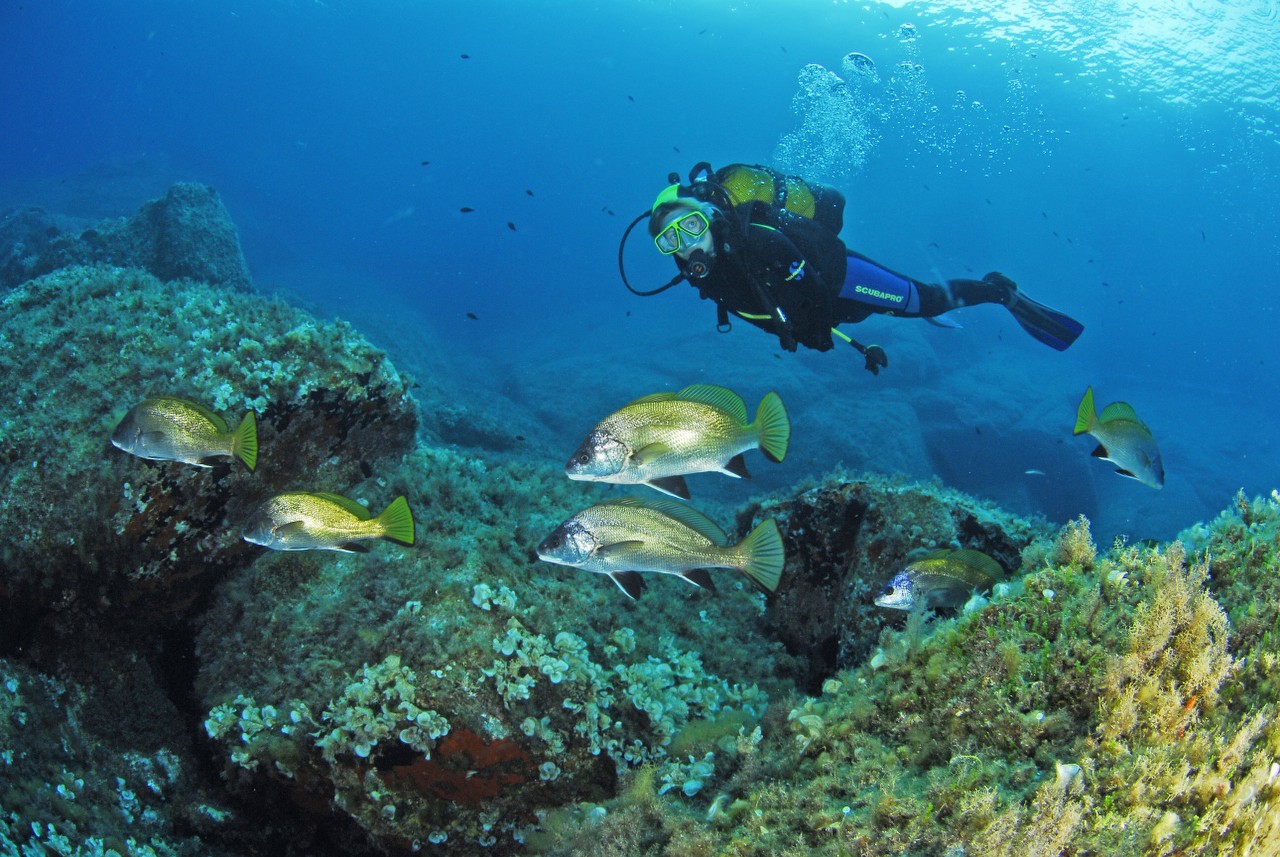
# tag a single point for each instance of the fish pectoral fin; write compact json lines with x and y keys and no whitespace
{"x":673,"y":485}
{"x":699,"y":577}
{"x":630,"y":582}
{"x":1099,"y":451}
{"x":353,"y":547}
{"x":649,"y":453}
{"x":618,"y":550}
{"x":284,"y":532}
{"x":1124,"y":472}
{"x":737,"y":466}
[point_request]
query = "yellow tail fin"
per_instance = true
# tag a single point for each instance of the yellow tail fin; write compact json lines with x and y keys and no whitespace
{"x":765,"y":555}
{"x":774,"y":427}
{"x":244,"y":443}
{"x":397,"y":522}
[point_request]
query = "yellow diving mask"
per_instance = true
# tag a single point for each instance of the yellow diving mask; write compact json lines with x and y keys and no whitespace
{"x":694,"y":224}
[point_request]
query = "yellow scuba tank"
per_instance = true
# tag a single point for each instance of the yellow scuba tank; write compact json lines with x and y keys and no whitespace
{"x":744,"y":183}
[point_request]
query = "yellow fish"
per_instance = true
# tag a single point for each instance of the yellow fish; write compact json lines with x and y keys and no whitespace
{"x":166,"y":428}
{"x":305,"y":520}
{"x":657,"y":440}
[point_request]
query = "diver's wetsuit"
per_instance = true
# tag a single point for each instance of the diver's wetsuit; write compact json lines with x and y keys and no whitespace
{"x":794,"y":278}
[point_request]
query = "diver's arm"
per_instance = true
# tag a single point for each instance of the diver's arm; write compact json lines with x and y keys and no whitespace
{"x":791,"y":289}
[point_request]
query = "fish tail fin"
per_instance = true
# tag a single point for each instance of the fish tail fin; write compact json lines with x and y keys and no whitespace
{"x":244,"y":441}
{"x":397,"y":521}
{"x":1086,"y":414}
{"x":773,"y":426}
{"x":765,"y":555}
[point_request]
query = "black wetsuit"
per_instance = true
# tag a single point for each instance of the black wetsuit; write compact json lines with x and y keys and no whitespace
{"x":793,"y":277}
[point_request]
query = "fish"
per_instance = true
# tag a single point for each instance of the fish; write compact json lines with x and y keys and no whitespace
{"x":511,"y":226}
{"x":1123,"y":439}
{"x":943,"y":578}
{"x":167,"y":428}
{"x":657,"y":440}
{"x":466,"y":209}
{"x":306,"y":520}
{"x":626,"y":536}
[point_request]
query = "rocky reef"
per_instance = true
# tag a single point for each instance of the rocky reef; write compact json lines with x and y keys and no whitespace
{"x":167,"y":689}
{"x":186,"y":234}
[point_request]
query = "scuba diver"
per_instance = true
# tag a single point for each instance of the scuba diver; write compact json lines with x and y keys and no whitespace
{"x":766,"y":248}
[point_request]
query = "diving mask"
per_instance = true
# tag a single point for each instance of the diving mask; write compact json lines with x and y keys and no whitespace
{"x":694,"y":225}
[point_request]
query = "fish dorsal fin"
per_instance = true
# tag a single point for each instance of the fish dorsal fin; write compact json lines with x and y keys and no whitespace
{"x":979,"y":561}
{"x":218,"y":422}
{"x":345,"y":503}
{"x":629,"y":582}
{"x":652,"y":397}
{"x":1119,"y":411}
{"x":685,"y":514}
{"x":714,"y":396}
{"x":691,"y":518}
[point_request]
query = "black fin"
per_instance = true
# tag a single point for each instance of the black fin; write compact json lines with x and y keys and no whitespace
{"x":1055,"y":329}
{"x":630,"y":582}
{"x":700,"y":577}
{"x":354,"y":547}
{"x":1099,"y":451}
{"x":738,"y":467}
{"x":673,"y":485}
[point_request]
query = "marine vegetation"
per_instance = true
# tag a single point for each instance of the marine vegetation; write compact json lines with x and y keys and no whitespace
{"x":1109,"y":702}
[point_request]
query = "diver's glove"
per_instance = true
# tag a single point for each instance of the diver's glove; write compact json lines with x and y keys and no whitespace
{"x":876,"y":358}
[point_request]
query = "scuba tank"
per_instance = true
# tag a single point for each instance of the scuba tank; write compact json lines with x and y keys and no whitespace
{"x":738,"y":189}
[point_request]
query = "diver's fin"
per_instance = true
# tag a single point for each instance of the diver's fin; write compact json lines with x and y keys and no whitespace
{"x":1055,"y":329}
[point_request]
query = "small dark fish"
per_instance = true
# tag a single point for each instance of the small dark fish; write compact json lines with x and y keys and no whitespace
{"x":528,"y":192}
{"x":702,"y":31}
{"x":1045,"y":216}
{"x":466,"y":209}
{"x":473,"y":316}
{"x":465,"y":56}
{"x":609,"y":211}
{"x":631,"y":98}
{"x":424,"y":163}
{"x":933,"y":243}
{"x":988,"y":202}
{"x":511,"y":226}
{"x":675,"y":149}
{"x":1202,"y":238}
{"x":520,"y":437}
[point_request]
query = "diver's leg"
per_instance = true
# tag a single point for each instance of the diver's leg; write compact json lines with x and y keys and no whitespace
{"x":1055,"y":329}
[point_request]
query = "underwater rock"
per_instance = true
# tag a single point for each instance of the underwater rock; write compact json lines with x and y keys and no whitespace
{"x":846,"y":538}
{"x":94,"y":532}
{"x":453,"y":692}
{"x":186,"y":234}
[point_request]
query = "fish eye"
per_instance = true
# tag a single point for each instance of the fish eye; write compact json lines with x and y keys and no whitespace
{"x":583,"y":458}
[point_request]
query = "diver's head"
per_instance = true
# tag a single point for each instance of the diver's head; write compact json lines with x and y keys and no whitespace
{"x":681,"y":225}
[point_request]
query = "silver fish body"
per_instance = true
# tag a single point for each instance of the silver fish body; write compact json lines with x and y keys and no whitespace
{"x":619,"y":538}
{"x":167,"y":428}
{"x":303,"y":520}
{"x":657,"y":440}
{"x":943,"y":578}
{"x":1123,"y":439}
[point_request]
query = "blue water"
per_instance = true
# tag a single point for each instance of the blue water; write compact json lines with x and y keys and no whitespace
{"x":1120,"y":163}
